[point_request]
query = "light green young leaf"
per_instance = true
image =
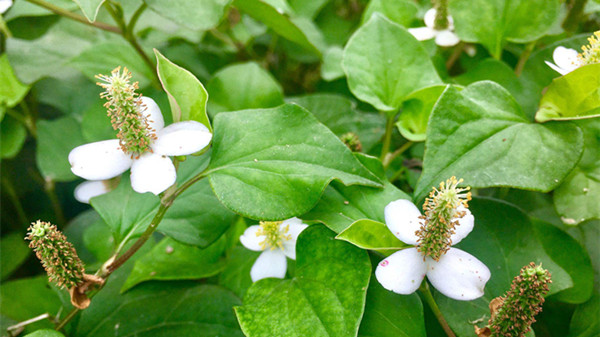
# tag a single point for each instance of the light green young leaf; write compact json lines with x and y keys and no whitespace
{"x":573,"y":96}
{"x":275,"y":163}
{"x":194,"y":14}
{"x":102,"y":58}
{"x":505,"y":247}
{"x":416,"y":109}
{"x":187,"y":95}
{"x":402,"y":12}
{"x":369,"y":234}
{"x":277,"y":20}
{"x":391,"y":315}
{"x":243,"y":86}
{"x":171,"y":260}
{"x":12,"y":137}
{"x":384,"y":63}
{"x":90,"y":8}
{"x":326,"y":298}
{"x":56,"y":138}
{"x":331,"y":69}
{"x":499,"y":21}
{"x":12,"y":91}
{"x":482,"y":135}
{"x":45,"y":333}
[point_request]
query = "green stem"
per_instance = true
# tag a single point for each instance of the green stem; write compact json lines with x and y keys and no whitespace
{"x":398,"y":174}
{"x":387,"y":137}
{"x":29,"y":119}
{"x":12,"y":195}
{"x":524,"y":57}
{"x":389,"y":158}
{"x":63,"y":12}
{"x":4,"y":28}
{"x":424,"y":289}
{"x":67,"y":319}
{"x":134,"y":18}
{"x":455,"y":55}
{"x":50,"y":189}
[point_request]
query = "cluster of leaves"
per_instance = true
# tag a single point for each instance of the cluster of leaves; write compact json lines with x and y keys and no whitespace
{"x":284,"y":80}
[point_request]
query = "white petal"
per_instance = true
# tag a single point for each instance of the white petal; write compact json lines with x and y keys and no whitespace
{"x":295,"y":228}
{"x":565,"y":58}
{"x":465,"y":226}
{"x":458,"y":275}
{"x":446,"y":38}
{"x":557,"y":69}
{"x":5,"y":5}
{"x":271,"y":263}
{"x":422,"y":33}
{"x":402,"y":218}
{"x":89,"y":189}
{"x":152,"y":173}
{"x":430,"y":18}
{"x":182,"y":138}
{"x":250,"y":240}
{"x":402,"y":272}
{"x":152,"y":112}
{"x":100,"y":160}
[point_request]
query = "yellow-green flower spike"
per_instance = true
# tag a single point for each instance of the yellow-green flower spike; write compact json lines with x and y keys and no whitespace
{"x":274,"y":233}
{"x":57,"y":255}
{"x":441,"y":217}
{"x":352,"y":142}
{"x":125,"y":111}
{"x":591,"y":52}
{"x":521,"y":303}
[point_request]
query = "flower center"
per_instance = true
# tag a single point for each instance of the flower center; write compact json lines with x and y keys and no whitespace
{"x":591,"y":52}
{"x":441,"y":218}
{"x":274,"y":233}
{"x":125,"y":110}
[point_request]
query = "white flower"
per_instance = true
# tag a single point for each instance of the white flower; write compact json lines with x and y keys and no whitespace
{"x":457,"y":274}
{"x":5,"y":5}
{"x":276,"y":240}
{"x":152,"y":171}
{"x":443,"y":38}
{"x":92,"y":188}
{"x":565,"y":60}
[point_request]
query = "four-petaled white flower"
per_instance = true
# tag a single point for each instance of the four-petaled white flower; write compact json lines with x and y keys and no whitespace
{"x":457,"y":274}
{"x":276,"y":240}
{"x":565,"y":60}
{"x":443,"y":38}
{"x":151,"y":171}
{"x":5,"y":5}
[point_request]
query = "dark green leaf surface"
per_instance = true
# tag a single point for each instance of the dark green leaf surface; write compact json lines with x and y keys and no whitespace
{"x":499,"y":21}
{"x":505,"y":240}
{"x":573,"y":96}
{"x":482,"y":135}
{"x":171,"y":260}
{"x":56,"y":139}
{"x":194,"y":14}
{"x":16,"y":251}
{"x":275,"y":163}
{"x":187,"y":95}
{"x":391,"y":315}
{"x":243,"y":86}
{"x":326,"y":298}
{"x":585,"y":321}
{"x":384,"y":63}
{"x":236,"y":275}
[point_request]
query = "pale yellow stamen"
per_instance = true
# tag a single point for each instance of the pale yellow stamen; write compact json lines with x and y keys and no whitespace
{"x":274,"y":234}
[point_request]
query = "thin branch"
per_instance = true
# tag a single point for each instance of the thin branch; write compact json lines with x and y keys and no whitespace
{"x":63,"y":12}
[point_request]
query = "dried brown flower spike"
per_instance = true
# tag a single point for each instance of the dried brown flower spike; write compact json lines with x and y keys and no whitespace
{"x":59,"y":258}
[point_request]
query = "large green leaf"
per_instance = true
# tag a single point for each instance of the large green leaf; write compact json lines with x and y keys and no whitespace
{"x":499,"y":21}
{"x":326,"y":298}
{"x":416,"y":109}
{"x":56,"y":138}
{"x":90,"y":8}
{"x":402,"y":12}
{"x":341,"y":116}
{"x":505,"y":246}
{"x":12,"y":90}
{"x":482,"y":135}
{"x":16,"y":252}
{"x":243,"y":86}
{"x":236,"y":275}
{"x":194,"y":14}
{"x":275,"y":163}
{"x":384,"y":63}
{"x":391,"y":315}
{"x":171,"y":260}
{"x":12,"y":137}
{"x":585,"y":321}
{"x":276,"y":19}
{"x":102,"y":58}
{"x":187,"y":95}
{"x":573,"y":96}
